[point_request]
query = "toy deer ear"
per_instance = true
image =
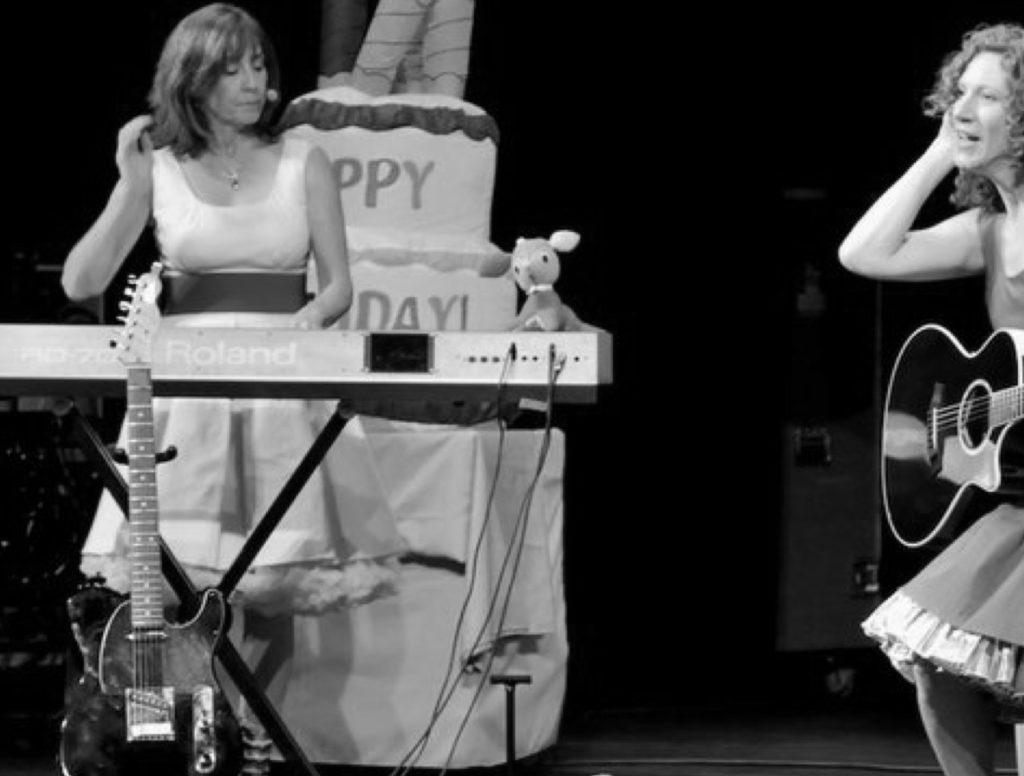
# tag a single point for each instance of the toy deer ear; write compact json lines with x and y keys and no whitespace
{"x":564,"y":240}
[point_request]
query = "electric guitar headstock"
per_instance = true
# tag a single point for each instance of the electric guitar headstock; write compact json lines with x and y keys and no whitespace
{"x":134,"y":343}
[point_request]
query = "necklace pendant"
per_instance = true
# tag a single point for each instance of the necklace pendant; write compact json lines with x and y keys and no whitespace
{"x":233,"y":181}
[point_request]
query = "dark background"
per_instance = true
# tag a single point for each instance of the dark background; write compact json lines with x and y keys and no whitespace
{"x":707,"y":162}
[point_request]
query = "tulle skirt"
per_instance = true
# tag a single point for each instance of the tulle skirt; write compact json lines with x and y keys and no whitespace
{"x":964,"y":612}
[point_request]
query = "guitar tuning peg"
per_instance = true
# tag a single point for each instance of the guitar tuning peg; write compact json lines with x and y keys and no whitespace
{"x":124,"y":305}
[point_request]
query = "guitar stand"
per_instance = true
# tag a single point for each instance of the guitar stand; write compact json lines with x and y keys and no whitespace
{"x":179,"y":581}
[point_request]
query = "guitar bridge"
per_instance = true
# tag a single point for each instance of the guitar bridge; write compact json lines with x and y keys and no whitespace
{"x":149,"y":713}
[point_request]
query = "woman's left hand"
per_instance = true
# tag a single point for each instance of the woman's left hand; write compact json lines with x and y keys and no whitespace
{"x":308,"y":318}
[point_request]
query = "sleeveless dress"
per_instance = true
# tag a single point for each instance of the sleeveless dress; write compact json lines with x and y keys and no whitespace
{"x":337,"y":544}
{"x":964,"y":612}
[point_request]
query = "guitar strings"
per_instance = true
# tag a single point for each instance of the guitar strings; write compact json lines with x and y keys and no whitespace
{"x":146,"y":643}
{"x":978,"y":408}
{"x":1008,"y":396}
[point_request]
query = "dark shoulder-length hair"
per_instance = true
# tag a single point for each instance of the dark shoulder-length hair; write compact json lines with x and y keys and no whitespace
{"x":197,"y":52}
{"x":1006,"y":40}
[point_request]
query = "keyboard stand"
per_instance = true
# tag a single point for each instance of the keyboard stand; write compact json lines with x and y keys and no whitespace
{"x":179,"y":581}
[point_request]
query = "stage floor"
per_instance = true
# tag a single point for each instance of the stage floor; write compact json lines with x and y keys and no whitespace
{"x":710,"y":741}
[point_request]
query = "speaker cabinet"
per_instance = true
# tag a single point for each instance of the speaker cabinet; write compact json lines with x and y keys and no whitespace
{"x":829,"y":539}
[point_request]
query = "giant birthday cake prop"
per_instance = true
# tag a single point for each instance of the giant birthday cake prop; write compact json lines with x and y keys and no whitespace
{"x":416,"y":174}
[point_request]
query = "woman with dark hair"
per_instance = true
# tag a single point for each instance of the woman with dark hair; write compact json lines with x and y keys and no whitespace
{"x":957,"y":628}
{"x":238,"y":213}
{"x":213,"y":98}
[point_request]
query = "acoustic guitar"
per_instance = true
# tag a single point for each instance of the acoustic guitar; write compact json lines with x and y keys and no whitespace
{"x":147,"y":702}
{"x":952,"y":449}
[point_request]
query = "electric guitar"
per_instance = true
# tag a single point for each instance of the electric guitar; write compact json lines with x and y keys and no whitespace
{"x":951,"y":446}
{"x":147,"y":702}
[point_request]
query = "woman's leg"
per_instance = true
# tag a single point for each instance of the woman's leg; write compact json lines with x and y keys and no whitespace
{"x":1018,"y":732}
{"x":960,"y":722}
{"x":267,"y":647}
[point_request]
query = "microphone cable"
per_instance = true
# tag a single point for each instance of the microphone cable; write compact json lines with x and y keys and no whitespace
{"x":445,"y":693}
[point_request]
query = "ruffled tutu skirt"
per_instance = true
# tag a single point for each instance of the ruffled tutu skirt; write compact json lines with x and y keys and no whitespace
{"x":336,"y":545}
{"x":964,"y":612}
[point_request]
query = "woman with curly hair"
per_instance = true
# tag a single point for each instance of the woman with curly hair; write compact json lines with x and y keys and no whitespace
{"x":957,"y":628}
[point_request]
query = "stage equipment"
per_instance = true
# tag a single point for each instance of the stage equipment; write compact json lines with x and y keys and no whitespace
{"x":52,"y":359}
{"x":77,"y":360}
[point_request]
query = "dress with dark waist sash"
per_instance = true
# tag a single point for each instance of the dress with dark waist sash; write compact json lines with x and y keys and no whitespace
{"x":233,"y":292}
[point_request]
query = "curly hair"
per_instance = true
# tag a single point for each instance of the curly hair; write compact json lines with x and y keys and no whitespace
{"x":1007,"y":40}
{"x":196,"y":54}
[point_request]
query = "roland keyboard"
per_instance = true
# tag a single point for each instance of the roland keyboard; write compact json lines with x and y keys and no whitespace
{"x":78,"y":360}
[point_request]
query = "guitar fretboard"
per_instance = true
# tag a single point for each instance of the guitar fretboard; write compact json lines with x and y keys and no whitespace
{"x":1005,"y":406}
{"x":144,"y":529}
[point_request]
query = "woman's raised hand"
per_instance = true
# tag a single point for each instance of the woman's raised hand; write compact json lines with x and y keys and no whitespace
{"x":946,"y":140}
{"x":135,"y":152}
